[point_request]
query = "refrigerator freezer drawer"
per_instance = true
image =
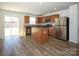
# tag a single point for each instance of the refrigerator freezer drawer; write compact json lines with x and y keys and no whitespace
{"x":63,"y":32}
{"x":58,"y":32}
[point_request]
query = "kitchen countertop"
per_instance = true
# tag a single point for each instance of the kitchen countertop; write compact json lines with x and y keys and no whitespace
{"x":38,"y":25}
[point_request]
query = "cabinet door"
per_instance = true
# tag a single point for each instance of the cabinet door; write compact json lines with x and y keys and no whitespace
{"x":36,"y":34}
{"x":52,"y":31}
{"x":39,"y":20}
{"x":43,"y":19}
{"x":44,"y":35}
{"x":53,"y":17}
{"x":26,"y":19}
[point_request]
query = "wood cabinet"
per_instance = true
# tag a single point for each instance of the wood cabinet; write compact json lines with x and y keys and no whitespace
{"x":52,"y":30}
{"x":52,"y":17}
{"x":43,"y":18}
{"x":44,"y":34}
{"x":26,"y":19}
{"x":40,"y":19}
{"x":40,"y":34}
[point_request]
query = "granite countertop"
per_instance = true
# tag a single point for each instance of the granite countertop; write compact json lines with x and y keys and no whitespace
{"x":38,"y":25}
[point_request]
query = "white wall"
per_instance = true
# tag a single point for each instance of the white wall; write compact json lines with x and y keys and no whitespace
{"x":64,"y":12}
{"x":78,"y":26}
{"x":73,"y":23}
{"x":78,"y":35}
{"x":21,"y":24}
{"x":1,"y":27}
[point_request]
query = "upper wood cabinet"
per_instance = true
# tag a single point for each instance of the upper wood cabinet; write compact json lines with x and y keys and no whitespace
{"x":43,"y":18}
{"x":26,"y":19}
{"x":40,"y":19}
{"x":52,"y":17}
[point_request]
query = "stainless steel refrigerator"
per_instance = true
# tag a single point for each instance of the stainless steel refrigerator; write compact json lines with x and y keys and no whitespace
{"x":62,"y":28}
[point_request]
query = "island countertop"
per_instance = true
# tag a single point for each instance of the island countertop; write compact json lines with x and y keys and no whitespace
{"x":38,"y":25}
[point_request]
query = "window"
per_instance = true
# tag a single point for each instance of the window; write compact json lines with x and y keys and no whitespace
{"x":11,"y":21}
{"x":11,"y":25}
{"x":32,"y":20}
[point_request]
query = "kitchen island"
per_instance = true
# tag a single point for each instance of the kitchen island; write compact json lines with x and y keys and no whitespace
{"x":39,"y":33}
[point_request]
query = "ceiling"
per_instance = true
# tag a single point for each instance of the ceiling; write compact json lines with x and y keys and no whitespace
{"x":36,"y":8}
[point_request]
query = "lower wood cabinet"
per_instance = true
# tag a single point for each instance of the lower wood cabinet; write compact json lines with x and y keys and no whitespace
{"x":52,"y":31}
{"x":40,"y":35}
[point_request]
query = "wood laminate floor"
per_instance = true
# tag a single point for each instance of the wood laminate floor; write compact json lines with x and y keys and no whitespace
{"x":26,"y":46}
